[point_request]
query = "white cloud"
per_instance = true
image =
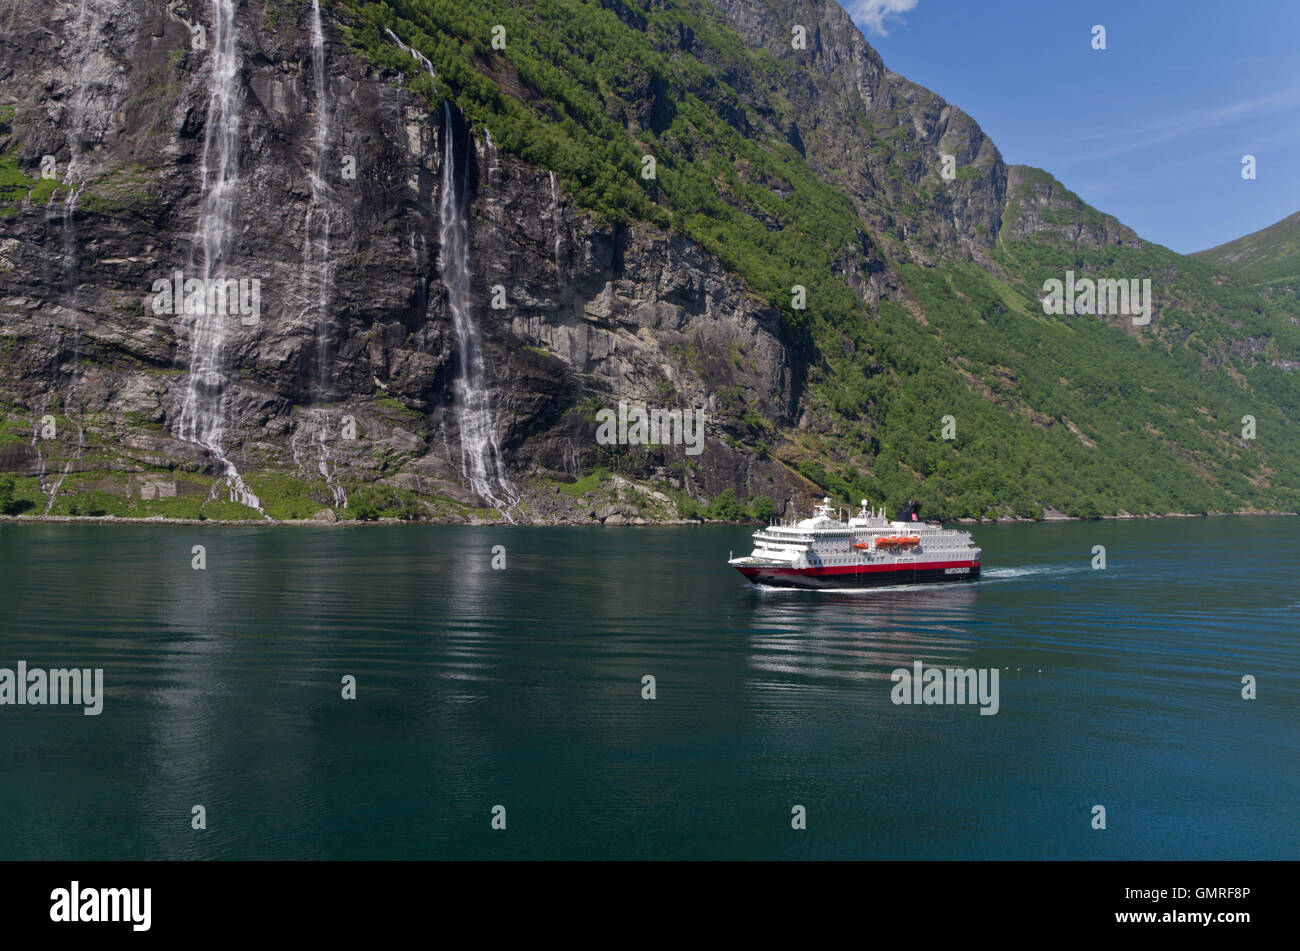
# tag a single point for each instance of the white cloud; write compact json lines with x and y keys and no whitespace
{"x":1197,"y":122}
{"x":873,"y":14}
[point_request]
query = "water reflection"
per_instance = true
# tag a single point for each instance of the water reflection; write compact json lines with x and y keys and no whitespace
{"x":860,"y":635}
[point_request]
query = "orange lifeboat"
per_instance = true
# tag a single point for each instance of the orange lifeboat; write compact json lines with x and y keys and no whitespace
{"x":886,"y":540}
{"x":862,"y":546}
{"x":909,"y":540}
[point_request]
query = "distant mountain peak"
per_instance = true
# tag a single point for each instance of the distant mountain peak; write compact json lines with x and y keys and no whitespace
{"x":1268,"y":256}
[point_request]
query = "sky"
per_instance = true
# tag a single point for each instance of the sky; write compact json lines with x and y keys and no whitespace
{"x":1151,"y":129}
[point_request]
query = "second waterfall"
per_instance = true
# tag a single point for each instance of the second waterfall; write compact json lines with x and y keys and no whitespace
{"x":479,"y":449}
{"x":202,"y":417}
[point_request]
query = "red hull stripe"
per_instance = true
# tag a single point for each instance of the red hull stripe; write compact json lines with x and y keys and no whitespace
{"x":854,"y":569}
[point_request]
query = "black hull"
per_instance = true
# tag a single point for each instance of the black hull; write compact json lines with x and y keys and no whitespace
{"x":794,"y":578}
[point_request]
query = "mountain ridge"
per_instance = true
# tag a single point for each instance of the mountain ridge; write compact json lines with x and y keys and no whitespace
{"x":1269,"y":256}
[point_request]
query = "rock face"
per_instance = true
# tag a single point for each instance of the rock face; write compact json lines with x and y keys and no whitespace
{"x":145,"y":144}
{"x":874,"y":133}
{"x":120,"y":94}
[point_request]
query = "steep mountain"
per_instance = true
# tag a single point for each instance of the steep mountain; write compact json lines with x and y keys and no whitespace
{"x":472,"y":227}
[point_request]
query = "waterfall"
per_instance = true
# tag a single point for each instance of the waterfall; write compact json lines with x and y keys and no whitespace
{"x":555,"y":219}
{"x":327,"y":472}
{"x":317,"y":265}
{"x":76,"y":129}
{"x":82,"y":58}
{"x":54,"y":489}
{"x":323,"y":461}
{"x":89,"y":22}
{"x":493,"y":177}
{"x":480,"y":454}
{"x":572,"y":464}
{"x":202,"y":419}
{"x":414,"y":54}
{"x":41,"y":468}
{"x":493,"y":164}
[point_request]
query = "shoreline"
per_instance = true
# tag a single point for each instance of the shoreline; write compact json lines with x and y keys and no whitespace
{"x":588,"y":523}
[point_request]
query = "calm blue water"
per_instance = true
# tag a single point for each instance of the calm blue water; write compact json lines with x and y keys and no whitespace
{"x":522,"y":687}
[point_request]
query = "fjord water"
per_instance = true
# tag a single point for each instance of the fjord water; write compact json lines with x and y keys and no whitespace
{"x":523,"y":687}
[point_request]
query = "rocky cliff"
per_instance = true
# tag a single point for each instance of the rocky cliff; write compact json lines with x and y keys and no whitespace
{"x":268,"y":143}
{"x":118,"y":94}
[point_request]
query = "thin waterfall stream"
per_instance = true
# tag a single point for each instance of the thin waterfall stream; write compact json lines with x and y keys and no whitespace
{"x":202,"y":419}
{"x":480,"y":451}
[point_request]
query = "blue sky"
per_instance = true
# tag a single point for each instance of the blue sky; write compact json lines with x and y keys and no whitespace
{"x":1152,"y":129}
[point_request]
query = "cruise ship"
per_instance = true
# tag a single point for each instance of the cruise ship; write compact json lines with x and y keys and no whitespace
{"x":867,"y":550}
